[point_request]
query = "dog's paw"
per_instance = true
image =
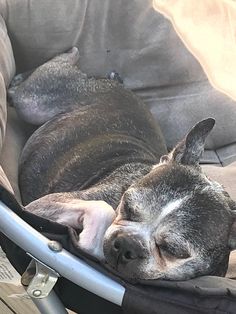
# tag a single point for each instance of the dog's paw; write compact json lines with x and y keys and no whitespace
{"x":113,"y":75}
{"x":97,"y":217}
{"x":92,"y":217}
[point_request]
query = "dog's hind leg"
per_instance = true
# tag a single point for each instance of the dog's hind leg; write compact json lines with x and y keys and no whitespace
{"x":16,"y":81}
{"x":48,"y":90}
{"x":19,"y":78}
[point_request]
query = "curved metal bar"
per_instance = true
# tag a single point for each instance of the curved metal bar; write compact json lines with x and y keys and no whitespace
{"x":63,"y":262}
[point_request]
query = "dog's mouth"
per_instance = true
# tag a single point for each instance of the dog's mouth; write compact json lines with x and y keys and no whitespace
{"x":121,"y":275}
{"x":132,"y":277}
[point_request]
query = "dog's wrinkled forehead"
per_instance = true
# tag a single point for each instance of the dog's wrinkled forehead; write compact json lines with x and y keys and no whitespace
{"x":178,"y":195}
{"x":164,"y":184}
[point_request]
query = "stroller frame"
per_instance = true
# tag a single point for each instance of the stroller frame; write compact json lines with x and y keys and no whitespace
{"x":58,"y":261}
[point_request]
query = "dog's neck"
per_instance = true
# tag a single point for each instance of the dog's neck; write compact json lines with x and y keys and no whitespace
{"x":111,"y":188}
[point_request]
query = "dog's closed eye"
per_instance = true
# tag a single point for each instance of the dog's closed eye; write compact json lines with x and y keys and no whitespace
{"x":170,"y":251}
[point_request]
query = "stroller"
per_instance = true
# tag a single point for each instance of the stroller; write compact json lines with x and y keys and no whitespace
{"x":142,"y":47}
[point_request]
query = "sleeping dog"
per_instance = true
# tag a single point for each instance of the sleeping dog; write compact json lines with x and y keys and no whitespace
{"x":98,"y":162}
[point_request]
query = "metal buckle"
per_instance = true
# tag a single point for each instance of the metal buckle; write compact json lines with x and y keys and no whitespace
{"x":39,"y":279}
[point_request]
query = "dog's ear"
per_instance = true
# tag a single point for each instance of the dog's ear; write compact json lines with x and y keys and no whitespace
{"x":190,"y":149}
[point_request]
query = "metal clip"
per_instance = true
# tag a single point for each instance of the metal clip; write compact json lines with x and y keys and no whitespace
{"x":39,"y":278}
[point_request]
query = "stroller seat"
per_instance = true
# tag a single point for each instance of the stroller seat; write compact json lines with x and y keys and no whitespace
{"x":141,"y":45}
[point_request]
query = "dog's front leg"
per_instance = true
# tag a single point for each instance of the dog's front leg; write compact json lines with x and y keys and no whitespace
{"x":93,"y":217}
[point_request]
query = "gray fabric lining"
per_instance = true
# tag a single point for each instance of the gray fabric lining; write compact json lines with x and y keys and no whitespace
{"x":227,"y":154}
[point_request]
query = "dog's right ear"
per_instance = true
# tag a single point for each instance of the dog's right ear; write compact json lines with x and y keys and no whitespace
{"x":190,"y":149}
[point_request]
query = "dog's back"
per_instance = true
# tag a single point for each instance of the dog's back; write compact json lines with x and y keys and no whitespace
{"x":77,"y":149}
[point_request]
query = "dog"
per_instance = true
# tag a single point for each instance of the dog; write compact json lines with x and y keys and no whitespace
{"x":98,"y":162}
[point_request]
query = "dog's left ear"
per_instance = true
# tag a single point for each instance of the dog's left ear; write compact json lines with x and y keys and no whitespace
{"x":190,"y":149}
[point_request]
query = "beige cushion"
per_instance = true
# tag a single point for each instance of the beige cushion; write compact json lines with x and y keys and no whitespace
{"x":7,"y":70}
{"x":224,"y":175}
{"x":208,"y":31}
{"x":7,"y":62}
{"x":17,"y":133}
{"x":3,"y":111}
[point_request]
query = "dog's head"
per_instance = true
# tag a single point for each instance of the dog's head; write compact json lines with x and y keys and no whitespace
{"x":174,"y":223}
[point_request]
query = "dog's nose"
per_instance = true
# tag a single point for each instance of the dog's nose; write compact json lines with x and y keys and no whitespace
{"x":124,"y":249}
